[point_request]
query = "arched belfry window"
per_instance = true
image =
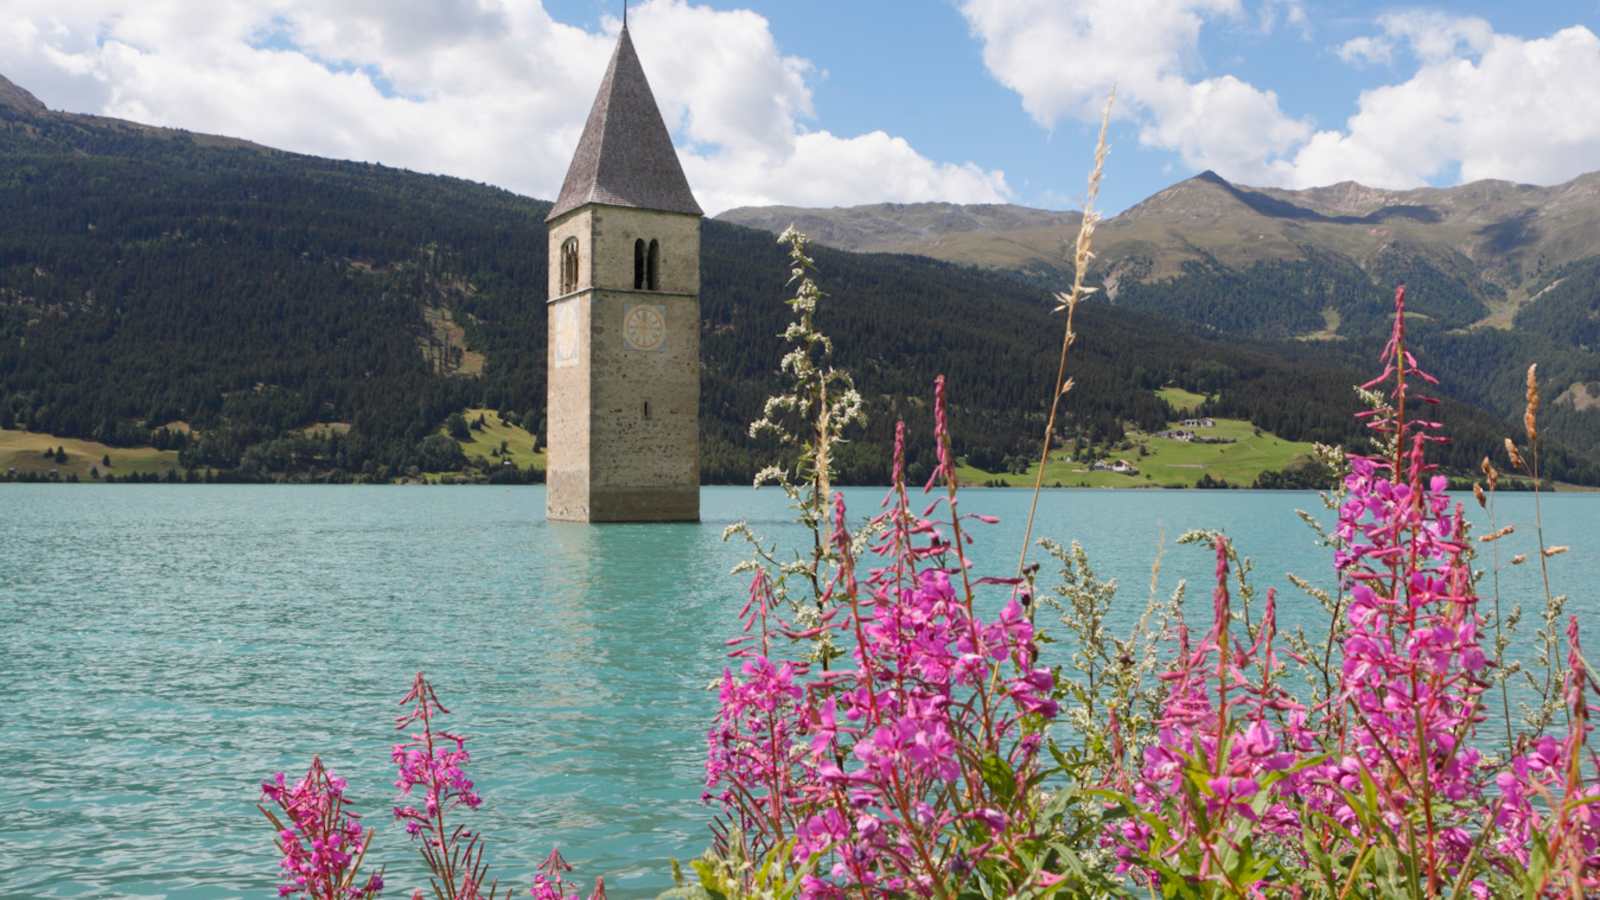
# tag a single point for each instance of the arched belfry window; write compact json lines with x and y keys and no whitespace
{"x":569,"y":265}
{"x":655,"y":266}
{"x":638,"y":265}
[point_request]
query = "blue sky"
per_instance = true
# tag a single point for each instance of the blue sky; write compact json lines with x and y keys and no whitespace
{"x":833,"y":102}
{"x":914,"y":68}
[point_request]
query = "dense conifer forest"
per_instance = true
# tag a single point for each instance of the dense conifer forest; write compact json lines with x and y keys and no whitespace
{"x":1480,"y":366}
{"x":153,"y":277}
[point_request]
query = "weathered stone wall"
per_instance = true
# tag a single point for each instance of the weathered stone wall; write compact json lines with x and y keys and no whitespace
{"x":616,"y":228}
{"x":580,"y":224}
{"x":624,"y":404}
{"x":644,"y":450}
{"x":567,"y":365}
{"x":567,"y":409}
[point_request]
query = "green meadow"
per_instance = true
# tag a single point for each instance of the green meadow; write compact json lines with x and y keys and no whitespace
{"x":1180,"y":400}
{"x":519,"y":443}
{"x":24,"y":451}
{"x":1166,"y":462}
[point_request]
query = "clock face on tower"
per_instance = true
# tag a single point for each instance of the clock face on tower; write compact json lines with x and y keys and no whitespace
{"x":644,"y":327}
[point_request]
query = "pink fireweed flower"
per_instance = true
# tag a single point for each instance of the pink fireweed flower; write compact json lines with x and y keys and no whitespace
{"x":322,"y":842}
{"x":438,"y":772}
{"x":868,"y":765}
{"x":432,"y":764}
{"x":1236,"y":760}
{"x":1413,"y":667}
{"x":941,"y":437}
{"x":548,"y":883}
{"x":1219,"y":720}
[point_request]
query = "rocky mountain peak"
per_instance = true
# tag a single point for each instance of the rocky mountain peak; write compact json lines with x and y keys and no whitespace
{"x":1201,"y":197}
{"x":15,"y":98}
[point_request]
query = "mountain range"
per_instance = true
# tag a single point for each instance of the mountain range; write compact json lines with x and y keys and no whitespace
{"x":1498,"y":272}
{"x":155,"y":280}
{"x":1002,"y":236}
{"x":1501,"y":240}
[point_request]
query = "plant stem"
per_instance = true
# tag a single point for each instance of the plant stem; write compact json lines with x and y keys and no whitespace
{"x":1499,"y":641}
{"x":1070,"y":301}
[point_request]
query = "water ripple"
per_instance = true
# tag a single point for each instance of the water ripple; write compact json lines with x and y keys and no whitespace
{"x":164,"y":648}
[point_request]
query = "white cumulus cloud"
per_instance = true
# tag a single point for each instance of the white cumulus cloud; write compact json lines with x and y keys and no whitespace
{"x":1486,"y":104}
{"x":1367,"y":50}
{"x":1289,"y":12}
{"x":492,"y":90}
{"x":826,"y":170}
{"x":1432,"y":35}
{"x":1062,"y":57}
{"x":1478,"y":104}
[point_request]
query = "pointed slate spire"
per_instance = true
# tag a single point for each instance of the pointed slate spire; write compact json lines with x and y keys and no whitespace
{"x":625,"y":157}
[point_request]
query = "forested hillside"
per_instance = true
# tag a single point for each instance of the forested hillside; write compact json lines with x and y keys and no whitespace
{"x":1500,"y":275}
{"x":1480,"y":365}
{"x":153,"y":278}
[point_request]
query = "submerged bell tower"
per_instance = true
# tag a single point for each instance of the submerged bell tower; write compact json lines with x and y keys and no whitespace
{"x":624,"y":317}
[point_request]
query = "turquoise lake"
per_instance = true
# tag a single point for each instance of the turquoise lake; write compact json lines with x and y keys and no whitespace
{"x":165,"y":648}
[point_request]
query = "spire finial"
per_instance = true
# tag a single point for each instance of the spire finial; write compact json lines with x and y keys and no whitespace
{"x":624,"y":14}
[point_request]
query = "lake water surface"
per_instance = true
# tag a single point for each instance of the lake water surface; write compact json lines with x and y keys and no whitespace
{"x":163,"y":648}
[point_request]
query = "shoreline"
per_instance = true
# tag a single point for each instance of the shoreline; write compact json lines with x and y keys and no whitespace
{"x":1558,"y":488}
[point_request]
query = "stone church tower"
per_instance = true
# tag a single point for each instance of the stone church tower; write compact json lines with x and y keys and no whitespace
{"x":624,"y":316}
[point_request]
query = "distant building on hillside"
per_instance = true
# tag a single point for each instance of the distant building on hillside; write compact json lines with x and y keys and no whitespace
{"x":624,"y":316}
{"x":1199,"y":423}
{"x":1121,"y":467}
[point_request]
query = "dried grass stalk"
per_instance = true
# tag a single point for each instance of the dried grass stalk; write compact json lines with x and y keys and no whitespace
{"x":1513,"y":455}
{"x":1083,"y":253}
{"x":1530,"y":415}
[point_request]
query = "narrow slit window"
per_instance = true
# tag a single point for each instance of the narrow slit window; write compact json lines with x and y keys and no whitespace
{"x":647,"y":409}
{"x":655,"y":265}
{"x":638,"y":265}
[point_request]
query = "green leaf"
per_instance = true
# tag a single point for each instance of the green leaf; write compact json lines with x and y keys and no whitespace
{"x":999,"y":777}
{"x":1058,"y":756}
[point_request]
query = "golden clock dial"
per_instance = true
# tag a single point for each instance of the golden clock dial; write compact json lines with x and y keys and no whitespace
{"x":645,"y":328}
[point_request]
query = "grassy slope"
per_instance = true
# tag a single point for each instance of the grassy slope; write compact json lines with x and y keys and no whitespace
{"x":321,"y":430}
{"x":24,"y":451}
{"x":1020,"y":249}
{"x":519,"y":441}
{"x":1171,"y":463}
{"x":1181,"y":400}
{"x":1006,"y":237}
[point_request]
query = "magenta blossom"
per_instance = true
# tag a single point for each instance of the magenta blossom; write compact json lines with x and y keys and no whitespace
{"x":322,"y":842}
{"x":874,"y":767}
{"x":431,"y":764}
